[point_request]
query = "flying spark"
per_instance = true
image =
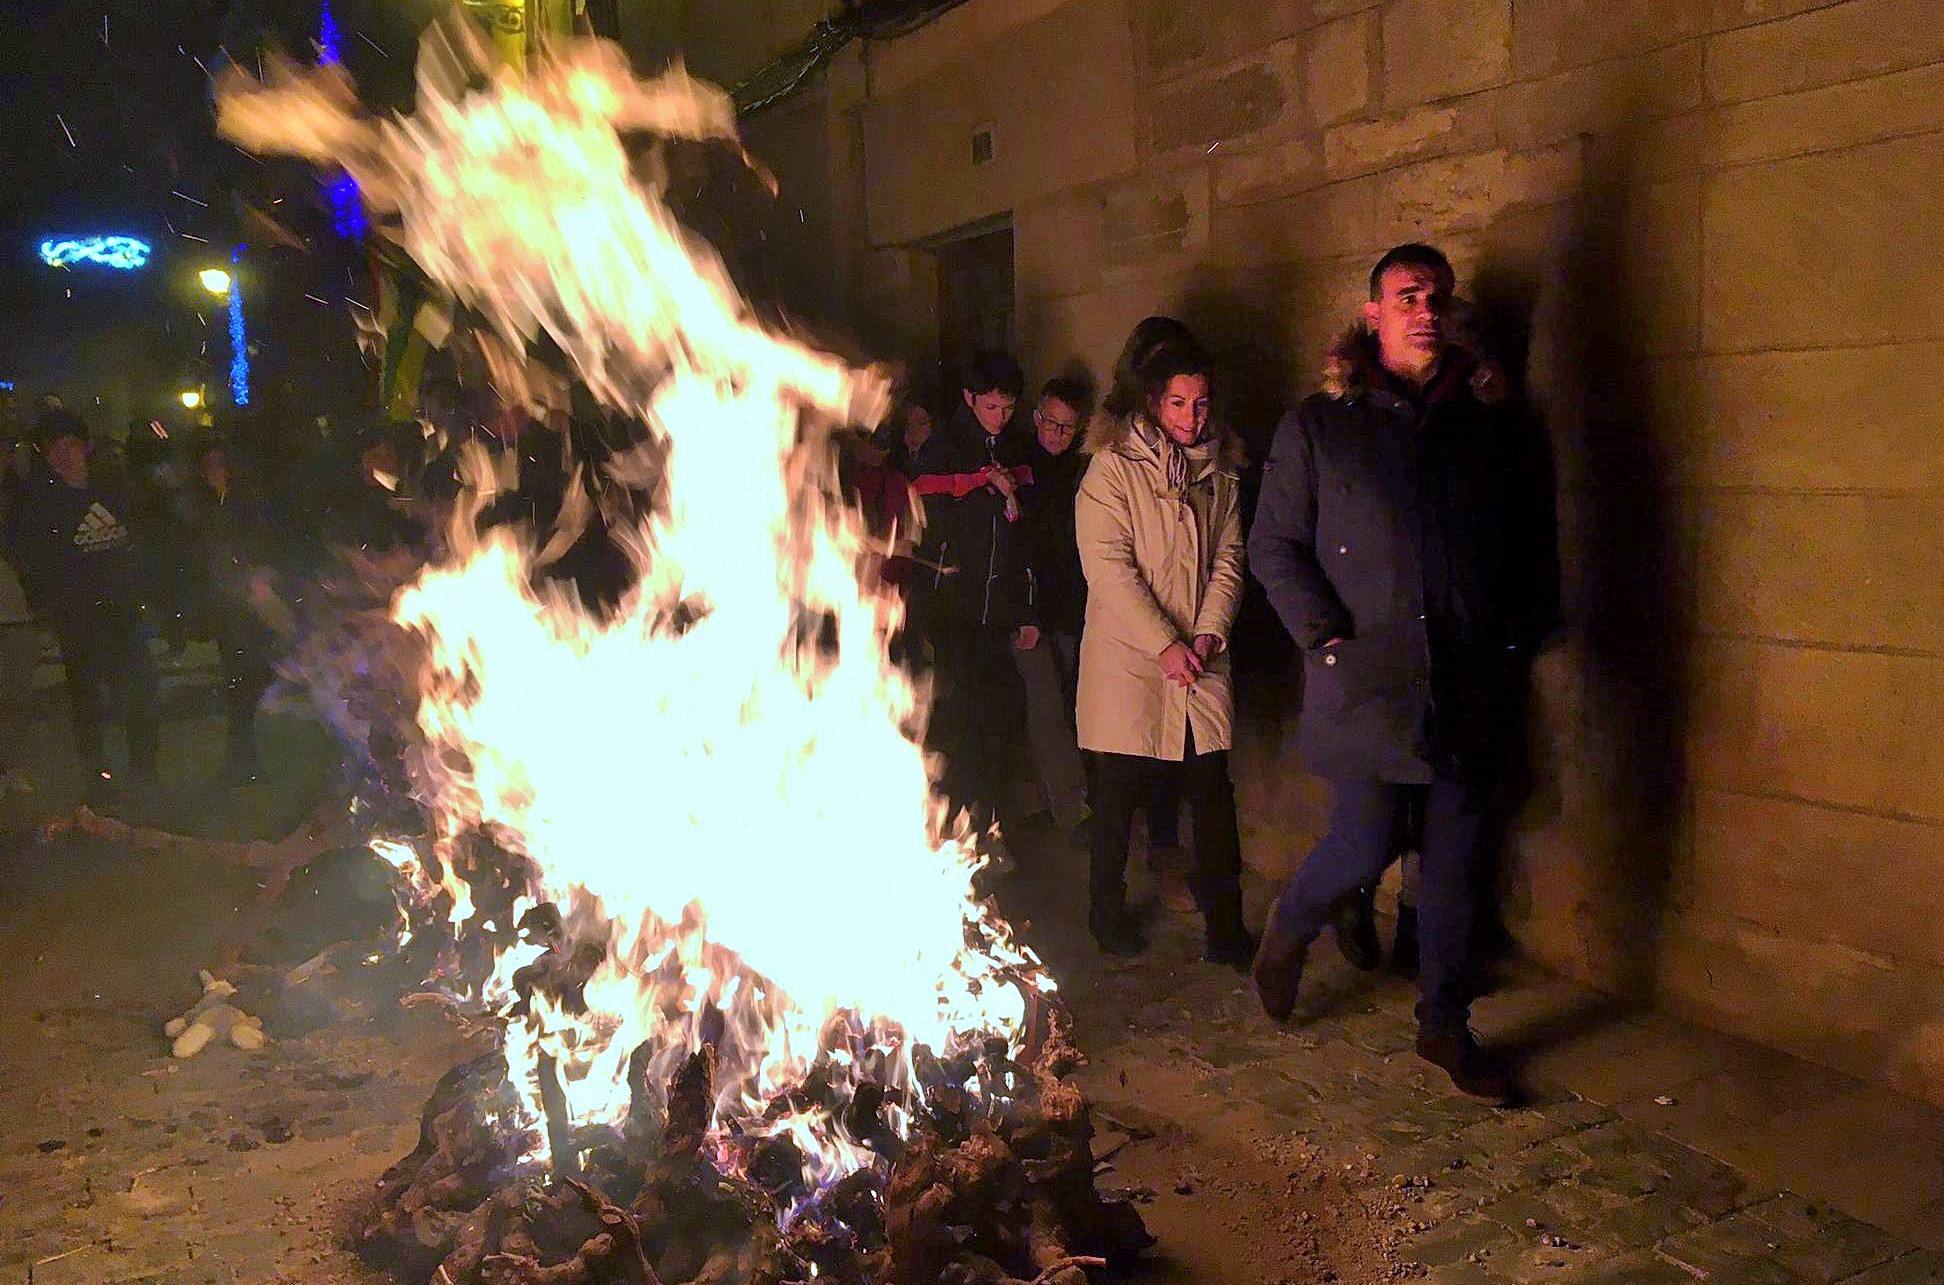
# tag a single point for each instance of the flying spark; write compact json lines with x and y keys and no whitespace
{"x":66,"y":130}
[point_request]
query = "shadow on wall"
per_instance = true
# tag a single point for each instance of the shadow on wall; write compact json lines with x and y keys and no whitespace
{"x":1626,"y":591}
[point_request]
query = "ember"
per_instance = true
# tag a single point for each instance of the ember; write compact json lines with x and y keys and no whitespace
{"x":755,"y":1022}
{"x":980,"y":1191}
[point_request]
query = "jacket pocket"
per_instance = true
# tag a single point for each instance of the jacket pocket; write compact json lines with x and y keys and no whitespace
{"x":1358,"y":670}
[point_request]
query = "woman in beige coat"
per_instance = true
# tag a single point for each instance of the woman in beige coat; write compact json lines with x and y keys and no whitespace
{"x":1159,"y":523}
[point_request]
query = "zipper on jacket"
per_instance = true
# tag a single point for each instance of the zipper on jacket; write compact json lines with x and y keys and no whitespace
{"x":992,"y":553}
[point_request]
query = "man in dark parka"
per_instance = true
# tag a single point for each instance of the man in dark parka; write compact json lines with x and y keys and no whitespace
{"x":1400,"y":541}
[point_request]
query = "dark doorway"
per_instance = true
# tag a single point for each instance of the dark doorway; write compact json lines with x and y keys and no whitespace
{"x":975,"y":299}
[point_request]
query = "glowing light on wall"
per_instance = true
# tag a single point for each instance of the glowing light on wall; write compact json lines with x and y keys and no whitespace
{"x":239,"y":338}
{"x":124,"y":253}
{"x":347,"y":207}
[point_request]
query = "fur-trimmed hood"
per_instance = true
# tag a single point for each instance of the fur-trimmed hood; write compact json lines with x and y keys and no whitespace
{"x":1351,"y":359}
{"x":1108,"y":432}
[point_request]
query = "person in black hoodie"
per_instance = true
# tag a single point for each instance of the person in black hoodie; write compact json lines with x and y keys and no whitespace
{"x":1051,"y":669}
{"x":232,"y":541}
{"x":80,"y":563}
{"x":973,"y":596}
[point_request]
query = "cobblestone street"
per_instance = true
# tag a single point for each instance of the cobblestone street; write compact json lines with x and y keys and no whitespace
{"x":1653,"y":1151}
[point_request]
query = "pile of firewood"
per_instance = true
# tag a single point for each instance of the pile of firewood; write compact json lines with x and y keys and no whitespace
{"x":992,"y":1184}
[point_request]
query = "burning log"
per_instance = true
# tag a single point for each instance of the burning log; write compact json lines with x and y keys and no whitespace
{"x":616,"y":1253}
{"x":989,"y":1190}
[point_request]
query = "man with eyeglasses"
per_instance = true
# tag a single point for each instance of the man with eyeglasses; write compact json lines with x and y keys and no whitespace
{"x":1050,"y":666}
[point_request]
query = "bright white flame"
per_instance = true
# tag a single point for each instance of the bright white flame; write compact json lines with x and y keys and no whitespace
{"x":719,"y":785}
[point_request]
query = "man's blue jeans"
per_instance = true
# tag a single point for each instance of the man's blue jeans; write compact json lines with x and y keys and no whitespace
{"x":1367,"y":826}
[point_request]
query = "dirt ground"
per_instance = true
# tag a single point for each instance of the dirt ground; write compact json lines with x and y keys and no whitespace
{"x":119,"y":1163}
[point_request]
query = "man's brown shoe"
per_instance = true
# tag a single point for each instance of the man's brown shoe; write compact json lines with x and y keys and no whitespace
{"x":1278,"y":970}
{"x":1474,"y":1071}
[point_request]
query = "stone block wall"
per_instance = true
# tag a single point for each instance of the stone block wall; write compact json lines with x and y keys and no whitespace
{"x":1709,"y":231}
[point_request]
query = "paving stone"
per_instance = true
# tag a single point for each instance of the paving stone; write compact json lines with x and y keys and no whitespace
{"x":1547,"y":1163}
{"x":1457,"y":1241}
{"x":1536,"y":1261}
{"x":1793,"y":1215}
{"x":1840,"y":1250}
{"x":1448,"y":1115}
{"x":1223,"y":1055}
{"x":1458,"y":1193}
{"x":1645,"y":1221}
{"x":1516,"y":1211}
{"x":1919,"y":1268}
{"x":1380,"y":1033}
{"x":1589,"y":1203}
{"x":1461,"y":1274}
{"x":1617,"y":1181}
{"x":1736,"y":1249}
{"x":1631,"y":1269}
{"x":1922,"y":1226}
{"x":1508,"y":1130}
{"x":1445,"y":1159}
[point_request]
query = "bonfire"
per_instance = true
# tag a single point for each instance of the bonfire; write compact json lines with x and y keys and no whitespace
{"x":753,"y":1020}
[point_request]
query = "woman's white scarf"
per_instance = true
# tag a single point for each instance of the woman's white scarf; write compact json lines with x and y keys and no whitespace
{"x":1179,"y":464}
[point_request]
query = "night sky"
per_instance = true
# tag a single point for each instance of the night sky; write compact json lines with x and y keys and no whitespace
{"x":122,"y":80}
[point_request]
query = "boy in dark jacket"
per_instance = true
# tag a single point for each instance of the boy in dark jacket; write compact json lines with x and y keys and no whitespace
{"x":80,"y":567}
{"x":1050,"y":670}
{"x":973,"y":596}
{"x":233,"y":538}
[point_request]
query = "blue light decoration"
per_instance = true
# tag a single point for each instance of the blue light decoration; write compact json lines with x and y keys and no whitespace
{"x":330,"y":41}
{"x":347,"y":207}
{"x":239,"y":338}
{"x":123,"y":253}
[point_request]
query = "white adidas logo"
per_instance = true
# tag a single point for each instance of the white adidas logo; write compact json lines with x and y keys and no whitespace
{"x":99,"y":529}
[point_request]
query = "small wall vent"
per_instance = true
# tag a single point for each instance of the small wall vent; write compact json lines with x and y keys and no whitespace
{"x":984,"y":144}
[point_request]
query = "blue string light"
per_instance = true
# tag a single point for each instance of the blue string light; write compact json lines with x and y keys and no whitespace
{"x":347,"y":207}
{"x":330,"y":42}
{"x":123,"y":253}
{"x":239,"y":339}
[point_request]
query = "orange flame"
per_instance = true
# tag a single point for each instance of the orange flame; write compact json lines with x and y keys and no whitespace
{"x":720,"y":783}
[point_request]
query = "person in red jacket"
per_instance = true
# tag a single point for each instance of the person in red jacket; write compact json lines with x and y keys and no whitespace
{"x":972,"y":600}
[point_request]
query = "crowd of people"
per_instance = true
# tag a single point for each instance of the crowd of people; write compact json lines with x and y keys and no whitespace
{"x":1076,"y":600}
{"x":1072,"y":592}
{"x":159,"y":540}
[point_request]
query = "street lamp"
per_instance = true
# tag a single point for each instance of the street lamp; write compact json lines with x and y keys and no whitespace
{"x":191,"y":398}
{"x":214,"y":280}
